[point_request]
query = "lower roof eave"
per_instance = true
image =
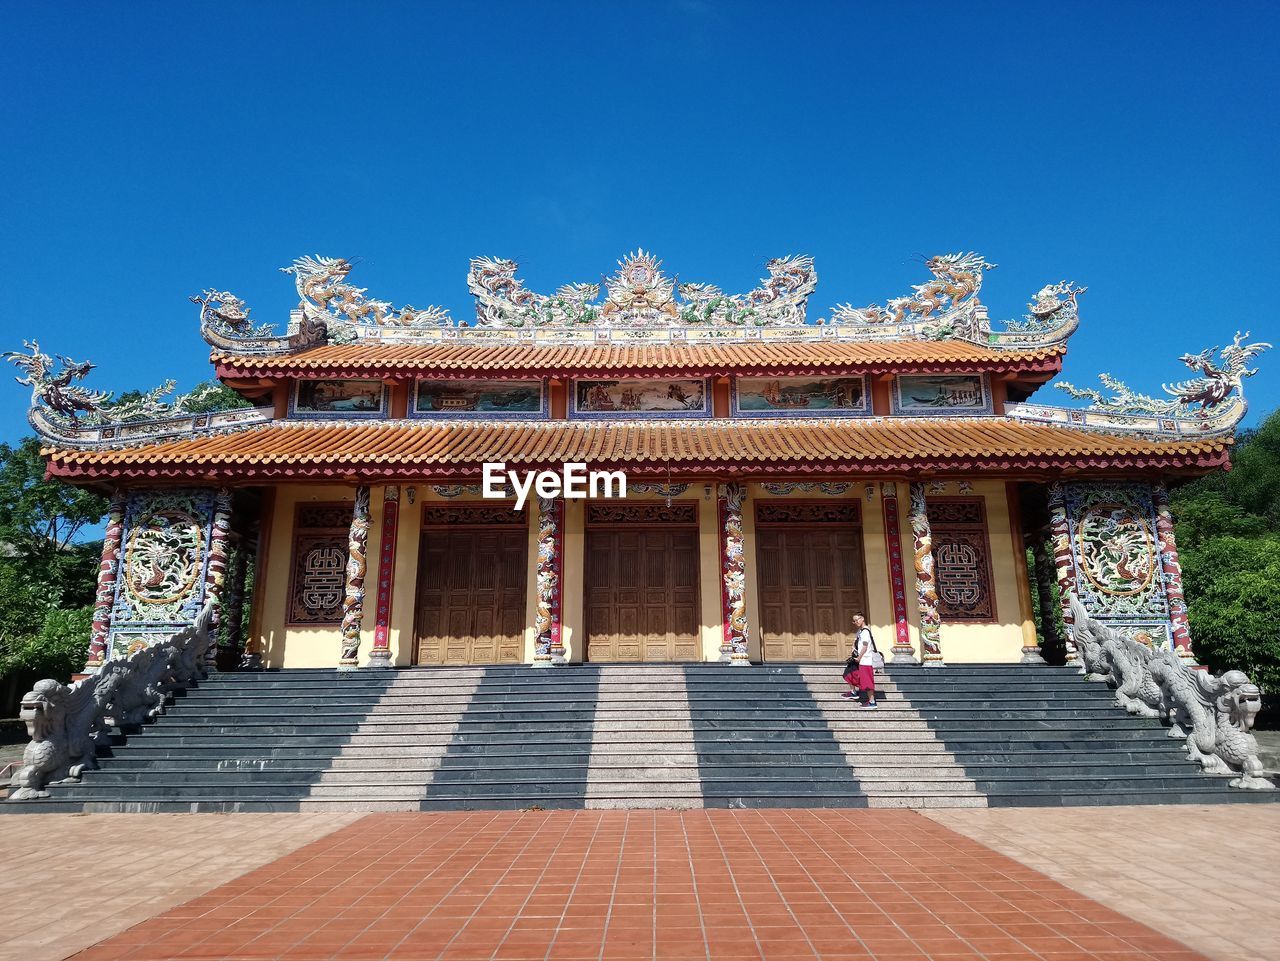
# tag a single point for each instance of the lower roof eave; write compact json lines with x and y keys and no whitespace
{"x":1003,"y":467}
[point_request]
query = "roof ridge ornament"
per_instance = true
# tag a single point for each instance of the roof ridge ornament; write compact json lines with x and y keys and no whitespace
{"x":639,"y":303}
{"x":1210,"y":405}
{"x":65,"y":413}
{"x":639,"y":296}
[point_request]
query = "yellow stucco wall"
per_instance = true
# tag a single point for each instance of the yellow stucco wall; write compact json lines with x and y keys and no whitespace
{"x":1001,"y":641}
{"x":288,"y":646}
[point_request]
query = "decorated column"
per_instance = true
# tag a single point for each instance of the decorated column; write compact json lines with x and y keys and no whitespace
{"x":108,"y":573}
{"x":215,"y":575}
{"x":1171,"y":574}
{"x":903,"y":653}
{"x":233,"y":608}
{"x":380,"y":656}
{"x":1063,"y":563}
{"x":926,"y":583}
{"x":1045,"y":576}
{"x":733,"y":646}
{"x":353,"y":600}
{"x":549,"y":643}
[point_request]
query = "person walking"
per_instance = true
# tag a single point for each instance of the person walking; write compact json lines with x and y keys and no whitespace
{"x":860,"y":670}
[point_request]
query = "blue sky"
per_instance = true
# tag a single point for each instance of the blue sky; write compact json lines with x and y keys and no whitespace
{"x":150,"y":150}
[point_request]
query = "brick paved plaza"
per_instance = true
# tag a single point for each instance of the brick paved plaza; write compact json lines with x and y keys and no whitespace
{"x":1117,"y":883}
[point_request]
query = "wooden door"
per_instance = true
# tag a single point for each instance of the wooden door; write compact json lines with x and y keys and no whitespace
{"x":642,"y":594}
{"x":811,"y":583}
{"x":471,"y":596}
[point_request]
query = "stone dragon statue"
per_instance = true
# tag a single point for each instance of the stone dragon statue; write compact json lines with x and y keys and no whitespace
{"x":1214,"y":714}
{"x":1216,"y":397}
{"x":639,"y":294}
{"x":67,"y":723}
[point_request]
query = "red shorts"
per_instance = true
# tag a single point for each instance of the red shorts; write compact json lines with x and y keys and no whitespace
{"x":863,"y":678}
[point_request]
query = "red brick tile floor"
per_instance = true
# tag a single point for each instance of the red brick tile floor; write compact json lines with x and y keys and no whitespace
{"x":631,"y":885}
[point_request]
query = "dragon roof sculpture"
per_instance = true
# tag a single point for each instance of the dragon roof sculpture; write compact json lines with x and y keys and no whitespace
{"x":639,"y":295}
{"x":638,"y":303}
{"x":1210,"y":405}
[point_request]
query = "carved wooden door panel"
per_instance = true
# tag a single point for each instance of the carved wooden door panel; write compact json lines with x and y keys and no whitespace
{"x":811,"y":583}
{"x":642,"y":594}
{"x":471,"y":596}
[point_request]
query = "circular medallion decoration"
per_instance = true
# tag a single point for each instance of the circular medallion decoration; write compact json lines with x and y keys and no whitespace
{"x":163,"y":557}
{"x":1116,"y":549}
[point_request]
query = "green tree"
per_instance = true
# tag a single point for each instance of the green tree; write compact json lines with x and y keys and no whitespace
{"x":47,"y":570}
{"x":1229,"y":542}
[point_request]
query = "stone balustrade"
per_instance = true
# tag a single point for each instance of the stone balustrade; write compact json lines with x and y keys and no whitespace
{"x":1214,"y":714}
{"x":67,"y":723}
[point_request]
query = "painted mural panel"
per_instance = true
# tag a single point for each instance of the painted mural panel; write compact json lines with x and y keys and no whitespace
{"x":480,"y":398}
{"x":640,"y":397}
{"x":164,"y":558}
{"x":941,"y":394}
{"x":1116,"y":556}
{"x":799,"y":396}
{"x":339,"y":398}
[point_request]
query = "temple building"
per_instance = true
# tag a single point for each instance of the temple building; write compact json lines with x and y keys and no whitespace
{"x":781,"y":474}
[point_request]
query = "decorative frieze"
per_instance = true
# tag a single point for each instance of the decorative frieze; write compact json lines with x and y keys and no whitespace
{"x":808,"y":512}
{"x":625,"y":512}
{"x":830,"y":489}
{"x":353,"y":598}
{"x":733,"y":648}
{"x":926,"y":581}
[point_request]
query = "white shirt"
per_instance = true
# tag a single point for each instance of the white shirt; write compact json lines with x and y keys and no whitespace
{"x":865,"y":647}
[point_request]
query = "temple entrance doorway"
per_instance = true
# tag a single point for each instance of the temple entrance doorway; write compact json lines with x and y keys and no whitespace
{"x":811,"y":577}
{"x":472,"y":579}
{"x":642,"y":582}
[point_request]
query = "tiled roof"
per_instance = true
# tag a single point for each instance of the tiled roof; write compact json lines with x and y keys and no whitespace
{"x":422,"y":448}
{"x":765,"y":358}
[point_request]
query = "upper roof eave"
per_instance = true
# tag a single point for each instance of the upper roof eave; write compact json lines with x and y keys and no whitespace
{"x":766,"y":359}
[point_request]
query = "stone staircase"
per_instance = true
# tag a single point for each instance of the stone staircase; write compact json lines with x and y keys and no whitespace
{"x":697,"y":735}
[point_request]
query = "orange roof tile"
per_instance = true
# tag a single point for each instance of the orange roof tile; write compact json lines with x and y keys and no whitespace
{"x":765,"y":358}
{"x":421,"y":449}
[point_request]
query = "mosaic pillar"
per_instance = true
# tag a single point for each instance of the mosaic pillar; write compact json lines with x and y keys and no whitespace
{"x":1045,"y":577}
{"x":215,"y":577}
{"x":548,"y":647}
{"x":926,"y":584}
{"x":380,"y":656}
{"x":233,"y":610}
{"x":1171,"y":574}
{"x":733,"y":646}
{"x":1063,"y":563}
{"x":108,"y":573}
{"x":357,"y":564}
{"x":903,"y":652}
